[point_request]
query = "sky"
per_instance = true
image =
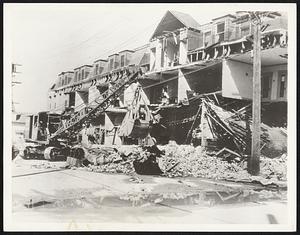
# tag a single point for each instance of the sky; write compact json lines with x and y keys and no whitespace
{"x":47,"y":39}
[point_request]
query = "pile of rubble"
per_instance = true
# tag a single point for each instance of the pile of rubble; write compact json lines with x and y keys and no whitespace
{"x":191,"y":161}
{"x":174,"y":160}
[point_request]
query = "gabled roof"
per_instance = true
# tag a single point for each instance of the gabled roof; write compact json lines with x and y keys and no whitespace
{"x":173,"y":20}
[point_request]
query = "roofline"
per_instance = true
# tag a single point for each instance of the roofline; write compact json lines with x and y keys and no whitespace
{"x":126,"y":50}
{"x":171,"y":12}
{"x":101,"y":60}
{"x":230,"y":15}
{"x":65,"y":72}
{"x":141,"y":47}
{"x":86,"y":65}
{"x":113,"y":54}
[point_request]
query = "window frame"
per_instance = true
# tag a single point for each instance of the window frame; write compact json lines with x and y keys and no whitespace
{"x":122,"y":57}
{"x":96,"y":69}
{"x":210,"y":39}
{"x":111,"y":63}
{"x":280,"y":73}
{"x":268,"y":75}
{"x":243,"y":26}
{"x":223,"y":32}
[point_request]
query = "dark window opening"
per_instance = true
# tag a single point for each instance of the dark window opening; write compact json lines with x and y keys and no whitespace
{"x":96,"y":70}
{"x":221,"y":37}
{"x":72,"y":99}
{"x":122,"y":60}
{"x":266,"y":86}
{"x":111,"y":63}
{"x":194,"y":57}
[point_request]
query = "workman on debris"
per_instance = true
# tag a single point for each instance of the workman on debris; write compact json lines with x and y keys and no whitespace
{"x":165,"y":96}
{"x":86,"y":135}
{"x":142,"y":113}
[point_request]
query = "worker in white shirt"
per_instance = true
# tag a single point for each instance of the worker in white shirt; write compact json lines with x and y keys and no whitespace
{"x":165,"y":96}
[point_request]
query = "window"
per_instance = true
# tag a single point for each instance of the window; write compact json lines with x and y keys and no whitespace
{"x":221,"y":31}
{"x":69,"y":80}
{"x":96,"y":69}
{"x":122,"y":60}
{"x":62,"y":82}
{"x":86,"y":74}
{"x":111,"y":63}
{"x":221,"y":28}
{"x":82,"y":74}
{"x":207,"y":38}
{"x":76,"y":76}
{"x":266,"y":85}
{"x":100,"y":69}
{"x":245,"y":30}
{"x":79,"y":76}
{"x":282,"y":84}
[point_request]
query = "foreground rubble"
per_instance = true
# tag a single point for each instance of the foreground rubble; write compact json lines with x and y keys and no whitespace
{"x":186,"y":160}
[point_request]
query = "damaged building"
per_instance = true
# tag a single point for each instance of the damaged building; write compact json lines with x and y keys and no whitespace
{"x":182,"y":63}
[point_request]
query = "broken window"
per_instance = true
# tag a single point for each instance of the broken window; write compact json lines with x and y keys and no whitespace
{"x":221,"y":31}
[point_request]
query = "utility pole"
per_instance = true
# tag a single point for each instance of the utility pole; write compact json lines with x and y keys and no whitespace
{"x":255,"y":17}
{"x":253,"y":162}
{"x":14,"y":82}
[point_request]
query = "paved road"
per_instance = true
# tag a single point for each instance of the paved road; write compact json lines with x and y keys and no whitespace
{"x":74,"y":196}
